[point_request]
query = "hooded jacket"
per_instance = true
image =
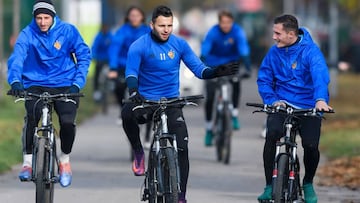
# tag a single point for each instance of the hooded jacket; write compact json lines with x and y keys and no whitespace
{"x":297,"y":75}
{"x":56,"y":58}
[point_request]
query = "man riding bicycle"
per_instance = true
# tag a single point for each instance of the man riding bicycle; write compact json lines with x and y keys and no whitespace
{"x":294,"y":72}
{"x":224,"y":43}
{"x":152,"y":72}
{"x":49,"y":56}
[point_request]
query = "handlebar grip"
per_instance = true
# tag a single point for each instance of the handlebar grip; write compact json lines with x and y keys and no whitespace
{"x":255,"y":105}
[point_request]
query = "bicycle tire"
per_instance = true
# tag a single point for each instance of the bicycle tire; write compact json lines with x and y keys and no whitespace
{"x":219,"y":141}
{"x":171,"y":192}
{"x":227,"y":131}
{"x":282,"y":179}
{"x":44,"y":187}
{"x":150,"y":175}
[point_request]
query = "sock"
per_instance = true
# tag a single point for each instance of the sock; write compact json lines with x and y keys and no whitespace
{"x":208,"y":125}
{"x":27,"y":158}
{"x":235,"y":112}
{"x":64,"y":158}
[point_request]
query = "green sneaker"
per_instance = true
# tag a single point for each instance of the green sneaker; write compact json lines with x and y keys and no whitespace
{"x":267,"y":194}
{"x":208,"y":138}
{"x":309,"y":193}
{"x":235,"y":122}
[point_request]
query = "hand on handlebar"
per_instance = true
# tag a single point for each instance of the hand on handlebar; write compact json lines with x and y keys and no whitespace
{"x":16,"y":90}
{"x":322,"y":106}
{"x":135,"y":96}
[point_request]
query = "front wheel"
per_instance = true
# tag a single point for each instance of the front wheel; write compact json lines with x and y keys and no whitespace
{"x":171,"y":191}
{"x":281,"y":181}
{"x":44,"y":185}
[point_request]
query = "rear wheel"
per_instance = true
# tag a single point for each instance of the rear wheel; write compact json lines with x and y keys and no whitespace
{"x":281,"y":181}
{"x":151,"y":181}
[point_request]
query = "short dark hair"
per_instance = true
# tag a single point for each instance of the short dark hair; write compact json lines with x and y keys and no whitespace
{"x":161,"y":11}
{"x":289,"y":22}
{"x":134,"y":8}
{"x":226,"y":13}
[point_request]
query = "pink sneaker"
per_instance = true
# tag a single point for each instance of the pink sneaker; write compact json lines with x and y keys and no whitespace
{"x":138,"y":165}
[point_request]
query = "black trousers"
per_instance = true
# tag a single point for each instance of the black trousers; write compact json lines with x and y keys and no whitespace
{"x":66,"y":112}
{"x":210,"y":95}
{"x":120,"y":87}
{"x":176,"y":125}
{"x":98,"y":67}
{"x":310,"y":136}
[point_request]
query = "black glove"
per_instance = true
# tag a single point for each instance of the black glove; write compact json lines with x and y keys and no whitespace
{"x":135,"y":96}
{"x":231,"y":68}
{"x":16,"y":90}
{"x":73,"y":89}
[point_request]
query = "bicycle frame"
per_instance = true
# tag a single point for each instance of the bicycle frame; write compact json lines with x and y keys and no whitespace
{"x":286,"y":164}
{"x":290,"y":145}
{"x":44,"y":156}
{"x":165,"y":183}
{"x":222,"y":119}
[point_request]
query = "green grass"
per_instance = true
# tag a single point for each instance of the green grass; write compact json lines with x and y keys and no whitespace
{"x":341,"y":131}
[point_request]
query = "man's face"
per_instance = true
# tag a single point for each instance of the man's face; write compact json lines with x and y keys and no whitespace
{"x":226,"y":24}
{"x":135,"y":17}
{"x":44,"y":21}
{"x":282,"y":37}
{"x":162,"y":27}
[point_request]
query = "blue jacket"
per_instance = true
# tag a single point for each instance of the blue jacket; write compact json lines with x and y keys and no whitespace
{"x":155,"y":66}
{"x":121,"y":41}
{"x":297,"y":74}
{"x":219,"y":48}
{"x":45,"y":58}
{"x":100,"y":47}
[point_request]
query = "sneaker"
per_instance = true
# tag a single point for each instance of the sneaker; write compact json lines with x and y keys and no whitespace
{"x":309,"y":193}
{"x":267,"y":194}
{"x":65,"y":174}
{"x":182,"y":200}
{"x":235,"y":122}
{"x":208,"y":138}
{"x":25,"y":173}
{"x":138,"y":165}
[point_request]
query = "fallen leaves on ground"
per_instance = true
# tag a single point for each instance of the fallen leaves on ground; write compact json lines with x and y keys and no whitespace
{"x":343,"y":172}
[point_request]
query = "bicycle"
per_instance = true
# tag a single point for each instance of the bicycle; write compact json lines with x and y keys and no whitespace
{"x":162,"y":177}
{"x":286,"y":184}
{"x":45,"y":160}
{"x":223,"y":129}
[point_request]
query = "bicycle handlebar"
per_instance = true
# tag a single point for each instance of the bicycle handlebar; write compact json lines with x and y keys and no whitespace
{"x":182,"y":101}
{"x":266,"y":108}
{"x":47,"y":96}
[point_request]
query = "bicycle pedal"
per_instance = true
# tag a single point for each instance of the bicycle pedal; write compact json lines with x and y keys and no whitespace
{"x":55,"y":179}
{"x":26,"y":180}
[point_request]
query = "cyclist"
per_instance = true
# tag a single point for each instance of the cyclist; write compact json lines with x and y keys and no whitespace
{"x":42,"y":62}
{"x":133,"y":28}
{"x":294,"y":72}
{"x":224,"y":43}
{"x":100,"y":55}
{"x":152,"y":72}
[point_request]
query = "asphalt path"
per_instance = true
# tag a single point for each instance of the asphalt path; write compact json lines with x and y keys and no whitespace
{"x":102,"y":168}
